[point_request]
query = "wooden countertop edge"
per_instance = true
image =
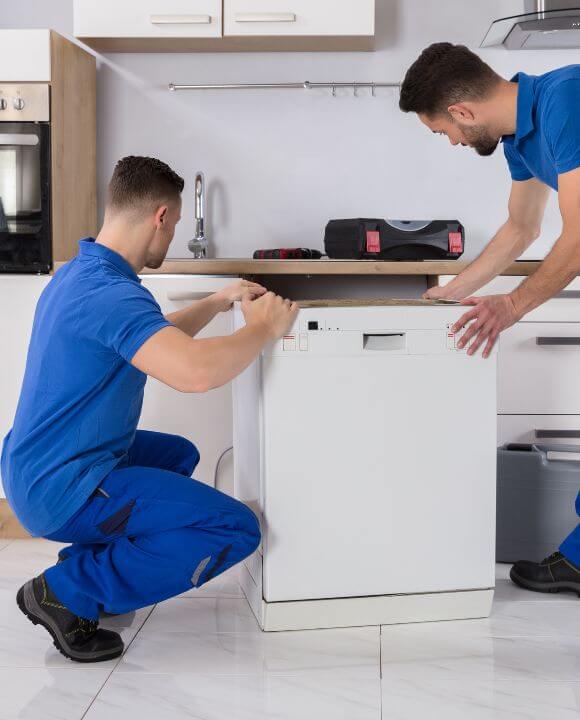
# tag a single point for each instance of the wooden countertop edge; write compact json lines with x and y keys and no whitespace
{"x":227,"y":266}
{"x":234,"y":266}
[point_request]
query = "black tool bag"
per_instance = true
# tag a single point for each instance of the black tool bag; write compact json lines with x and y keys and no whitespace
{"x":374,"y":239}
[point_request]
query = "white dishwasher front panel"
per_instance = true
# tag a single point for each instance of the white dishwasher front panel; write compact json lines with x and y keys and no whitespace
{"x":377,"y":462}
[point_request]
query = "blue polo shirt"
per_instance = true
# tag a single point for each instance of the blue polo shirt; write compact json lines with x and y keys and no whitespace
{"x":547,"y":139}
{"x":81,"y":398}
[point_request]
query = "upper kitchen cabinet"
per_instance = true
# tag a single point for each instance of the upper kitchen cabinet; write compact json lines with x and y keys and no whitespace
{"x":146,"y":25}
{"x":291,"y":18}
{"x":224,"y":25}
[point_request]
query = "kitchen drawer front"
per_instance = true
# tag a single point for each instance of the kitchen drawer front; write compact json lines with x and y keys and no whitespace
{"x":539,"y":369}
{"x":565,"y":307}
{"x":148,"y":18}
{"x":299,"y":17}
{"x":543,"y":429}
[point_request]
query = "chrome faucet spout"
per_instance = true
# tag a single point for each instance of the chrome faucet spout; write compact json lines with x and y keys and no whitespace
{"x":198,"y":245}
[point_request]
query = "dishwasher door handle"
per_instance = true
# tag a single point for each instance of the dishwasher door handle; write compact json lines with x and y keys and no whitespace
{"x":386,"y":342}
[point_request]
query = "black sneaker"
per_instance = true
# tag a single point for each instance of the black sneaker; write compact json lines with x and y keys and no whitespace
{"x":75,"y":637}
{"x":553,"y":574}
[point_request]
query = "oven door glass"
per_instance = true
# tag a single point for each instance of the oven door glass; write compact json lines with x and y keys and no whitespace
{"x":24,"y":197}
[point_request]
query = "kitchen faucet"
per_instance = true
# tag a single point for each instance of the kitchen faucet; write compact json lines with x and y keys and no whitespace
{"x":198,"y":244}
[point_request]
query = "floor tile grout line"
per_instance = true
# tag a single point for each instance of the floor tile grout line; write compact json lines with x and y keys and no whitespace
{"x":116,"y":665}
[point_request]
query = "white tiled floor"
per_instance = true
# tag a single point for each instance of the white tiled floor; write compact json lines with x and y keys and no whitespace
{"x":202,"y":656}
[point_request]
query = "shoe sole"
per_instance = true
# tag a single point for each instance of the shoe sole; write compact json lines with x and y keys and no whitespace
{"x":554,"y":587}
{"x":28,"y":604}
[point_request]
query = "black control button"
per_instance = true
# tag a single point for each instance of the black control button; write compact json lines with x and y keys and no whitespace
{"x":313,"y":325}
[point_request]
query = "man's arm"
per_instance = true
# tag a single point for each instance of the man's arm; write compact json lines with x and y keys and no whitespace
{"x":562,"y":264}
{"x":196,"y":316}
{"x":190,"y":365}
{"x":527,"y":203}
{"x":495,"y":313}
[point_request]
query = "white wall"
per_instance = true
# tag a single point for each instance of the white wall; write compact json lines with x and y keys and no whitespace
{"x":279,"y":164}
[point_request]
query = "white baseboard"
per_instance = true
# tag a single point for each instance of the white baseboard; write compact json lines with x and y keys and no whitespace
{"x":376,"y":610}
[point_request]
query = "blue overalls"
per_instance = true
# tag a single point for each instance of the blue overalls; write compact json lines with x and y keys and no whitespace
{"x":76,"y":470}
{"x":547,"y":144}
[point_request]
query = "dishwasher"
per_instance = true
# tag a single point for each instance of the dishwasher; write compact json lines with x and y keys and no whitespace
{"x":365,"y":441}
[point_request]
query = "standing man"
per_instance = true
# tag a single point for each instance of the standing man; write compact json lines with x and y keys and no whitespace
{"x":74,"y":467}
{"x":537,"y":118}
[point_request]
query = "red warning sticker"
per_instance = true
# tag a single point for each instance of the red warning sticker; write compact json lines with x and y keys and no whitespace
{"x":373,"y":241}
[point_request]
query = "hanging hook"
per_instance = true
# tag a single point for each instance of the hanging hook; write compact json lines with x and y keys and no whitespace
{"x":333,"y":89}
{"x":354,"y":90}
{"x":373,"y":89}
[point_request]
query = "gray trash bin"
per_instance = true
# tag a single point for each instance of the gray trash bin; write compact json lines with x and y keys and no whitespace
{"x":537,"y":487}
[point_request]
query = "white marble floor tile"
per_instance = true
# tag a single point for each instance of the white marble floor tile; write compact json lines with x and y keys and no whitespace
{"x":353,"y":652}
{"x":537,"y":619}
{"x":249,"y":697}
{"x":203,"y":615}
{"x":437,"y":651}
{"x":43,"y":694}
{"x":476,"y":699}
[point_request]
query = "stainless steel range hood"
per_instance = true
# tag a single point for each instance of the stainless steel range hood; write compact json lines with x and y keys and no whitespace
{"x":542,"y":25}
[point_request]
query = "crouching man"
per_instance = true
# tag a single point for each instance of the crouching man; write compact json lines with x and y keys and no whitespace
{"x":74,"y":467}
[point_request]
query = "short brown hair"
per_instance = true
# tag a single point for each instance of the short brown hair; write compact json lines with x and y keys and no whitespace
{"x":142,"y":180}
{"x":444,"y":74}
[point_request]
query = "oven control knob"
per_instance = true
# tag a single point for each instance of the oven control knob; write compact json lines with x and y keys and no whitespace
{"x":3,"y":103}
{"x":18,"y":103}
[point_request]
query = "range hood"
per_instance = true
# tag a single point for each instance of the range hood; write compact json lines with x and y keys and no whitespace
{"x":542,"y":25}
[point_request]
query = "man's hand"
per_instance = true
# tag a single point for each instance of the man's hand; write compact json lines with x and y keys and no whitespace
{"x":491,"y":314}
{"x":239,"y":290}
{"x":442,"y":292}
{"x":270,"y":311}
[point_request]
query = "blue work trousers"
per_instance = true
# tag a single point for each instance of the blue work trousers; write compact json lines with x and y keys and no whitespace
{"x":149,"y":532}
{"x":570,"y":548}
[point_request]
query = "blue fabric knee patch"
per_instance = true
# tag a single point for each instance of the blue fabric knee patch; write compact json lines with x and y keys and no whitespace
{"x":117,"y":522}
{"x":220,"y":560}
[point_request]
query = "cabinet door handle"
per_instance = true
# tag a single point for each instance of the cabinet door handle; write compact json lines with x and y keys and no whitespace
{"x":264,"y":17}
{"x":568,"y":294}
{"x":180,"y":19}
{"x":187,"y":295}
{"x":551,"y":434}
{"x":558,"y":341}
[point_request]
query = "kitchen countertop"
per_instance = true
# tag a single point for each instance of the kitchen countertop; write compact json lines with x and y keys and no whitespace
{"x":246,"y":266}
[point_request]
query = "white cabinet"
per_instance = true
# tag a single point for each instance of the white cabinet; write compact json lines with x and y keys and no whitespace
{"x":18,"y":297}
{"x":205,"y":418}
{"x":539,"y":369}
{"x":299,"y":17}
{"x":25,"y":56}
{"x":148,"y":18}
{"x":224,"y":25}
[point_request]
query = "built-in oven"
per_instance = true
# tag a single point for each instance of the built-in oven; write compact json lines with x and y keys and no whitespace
{"x":25,"y":223}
